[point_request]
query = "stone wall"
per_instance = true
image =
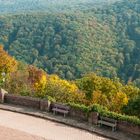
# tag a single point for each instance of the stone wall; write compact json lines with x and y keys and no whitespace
{"x":21,"y":100}
{"x":128,"y":127}
{"x":27,"y":101}
{"x":79,"y":114}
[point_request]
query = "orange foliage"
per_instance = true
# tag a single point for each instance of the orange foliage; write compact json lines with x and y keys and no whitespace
{"x":38,"y":78}
{"x":7,"y":63}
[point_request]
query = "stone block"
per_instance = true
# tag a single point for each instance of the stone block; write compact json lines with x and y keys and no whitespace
{"x":2,"y":94}
{"x":93,"y":118}
{"x":44,"y":105}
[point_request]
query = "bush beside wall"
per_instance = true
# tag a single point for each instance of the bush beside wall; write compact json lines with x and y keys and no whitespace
{"x":104,"y":112}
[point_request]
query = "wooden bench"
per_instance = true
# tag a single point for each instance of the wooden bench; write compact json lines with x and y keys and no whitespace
{"x":108,"y":122}
{"x":61,"y":108}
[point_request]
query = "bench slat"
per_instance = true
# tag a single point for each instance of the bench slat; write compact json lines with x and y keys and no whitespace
{"x":107,"y":123}
{"x":60,"y":110}
{"x":108,"y":119}
{"x":61,"y":106}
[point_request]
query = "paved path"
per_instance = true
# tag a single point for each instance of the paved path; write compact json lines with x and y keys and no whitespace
{"x":32,"y":128}
{"x":13,"y":134}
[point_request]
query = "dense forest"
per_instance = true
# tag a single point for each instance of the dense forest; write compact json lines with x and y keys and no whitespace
{"x":100,"y":39}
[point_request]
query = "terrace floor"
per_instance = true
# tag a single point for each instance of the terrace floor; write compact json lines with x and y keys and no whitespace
{"x":24,"y":127}
{"x":36,"y":125}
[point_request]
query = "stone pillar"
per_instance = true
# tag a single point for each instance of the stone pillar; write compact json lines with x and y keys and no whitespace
{"x":2,"y":93}
{"x":93,"y":118}
{"x":44,"y":105}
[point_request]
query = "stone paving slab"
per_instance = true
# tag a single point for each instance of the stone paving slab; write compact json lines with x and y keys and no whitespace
{"x":105,"y":132}
{"x":12,"y":134}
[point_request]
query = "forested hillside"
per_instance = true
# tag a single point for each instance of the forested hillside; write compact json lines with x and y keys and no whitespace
{"x":63,"y":44}
{"x":104,"y":40}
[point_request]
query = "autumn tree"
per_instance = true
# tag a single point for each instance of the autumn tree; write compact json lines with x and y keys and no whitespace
{"x":38,"y":79}
{"x":17,"y":83}
{"x":118,"y":101}
{"x":64,"y":91}
{"x":100,"y":98}
{"x":130,"y":90}
{"x":7,"y":64}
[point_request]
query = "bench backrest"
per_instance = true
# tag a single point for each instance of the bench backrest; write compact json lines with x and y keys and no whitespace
{"x":61,"y":106}
{"x":108,"y":119}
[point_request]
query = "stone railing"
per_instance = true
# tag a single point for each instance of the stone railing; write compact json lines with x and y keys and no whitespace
{"x":21,"y":100}
{"x":45,"y":105}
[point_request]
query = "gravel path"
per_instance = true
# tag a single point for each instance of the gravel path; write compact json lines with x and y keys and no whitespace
{"x":14,"y":126}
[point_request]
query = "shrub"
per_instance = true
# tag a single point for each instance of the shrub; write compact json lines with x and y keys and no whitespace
{"x":105,"y":112}
{"x":97,"y":108}
{"x":51,"y":99}
{"x":133,"y":107}
{"x":84,"y":108}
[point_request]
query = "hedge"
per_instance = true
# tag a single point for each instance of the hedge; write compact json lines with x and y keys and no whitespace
{"x":84,"y":108}
{"x":105,"y":112}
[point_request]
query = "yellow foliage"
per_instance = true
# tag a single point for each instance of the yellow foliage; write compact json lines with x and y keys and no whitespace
{"x":130,"y":90}
{"x":100,"y":98}
{"x":118,"y":101}
{"x":40,"y":86}
{"x":63,"y":91}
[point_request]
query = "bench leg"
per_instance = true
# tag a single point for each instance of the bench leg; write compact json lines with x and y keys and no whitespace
{"x":54,"y":112}
{"x":113,"y":129}
{"x":64,"y":115}
{"x":99,"y":124}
